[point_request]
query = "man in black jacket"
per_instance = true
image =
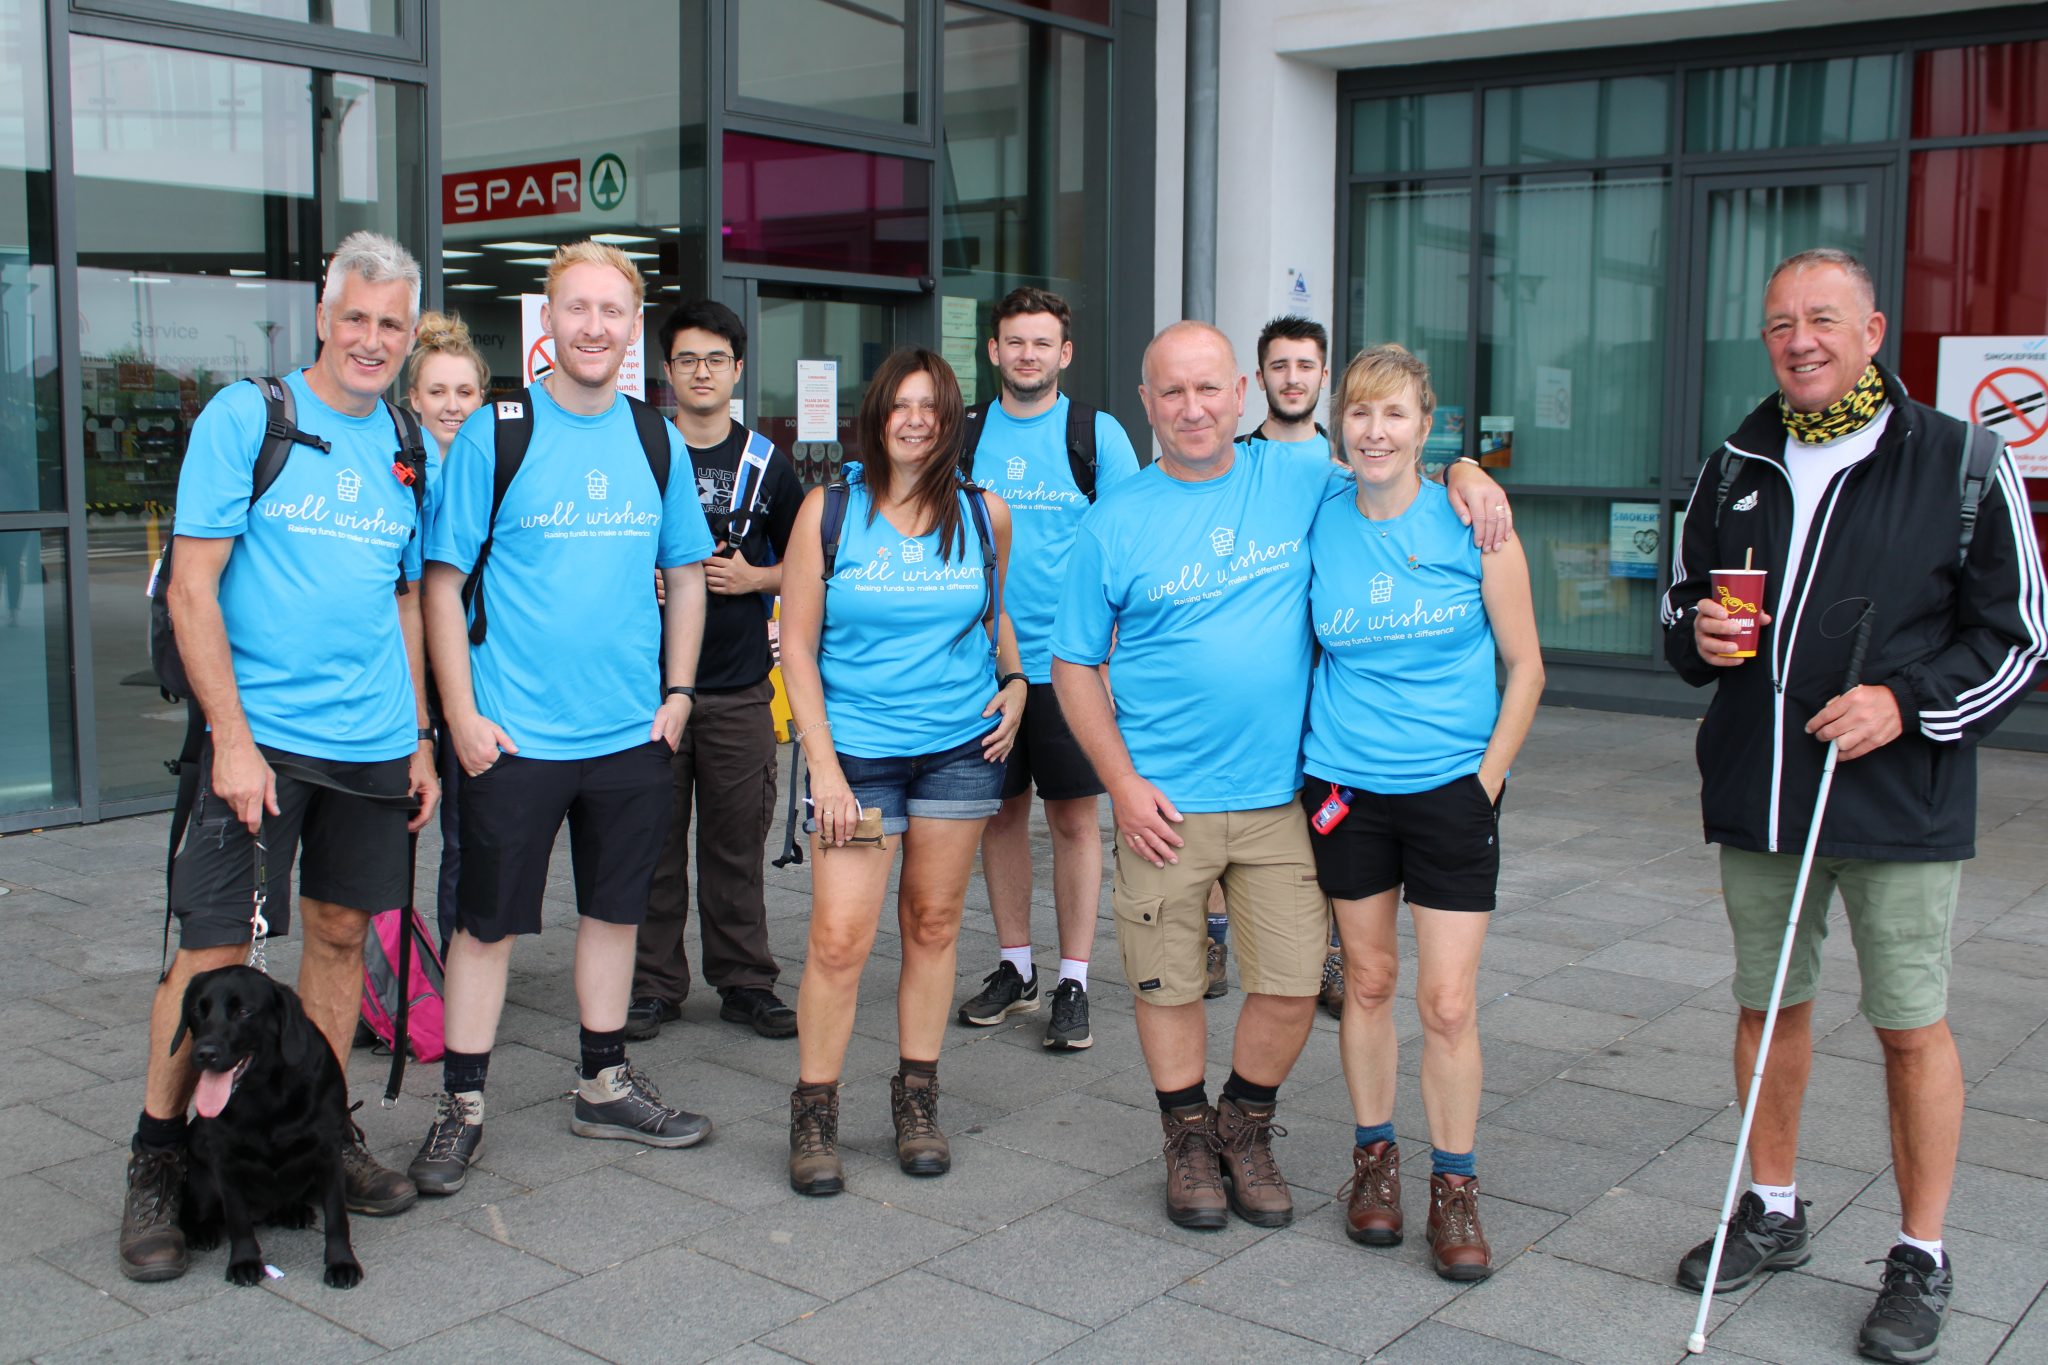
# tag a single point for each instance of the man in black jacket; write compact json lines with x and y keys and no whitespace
{"x":1846,"y":490}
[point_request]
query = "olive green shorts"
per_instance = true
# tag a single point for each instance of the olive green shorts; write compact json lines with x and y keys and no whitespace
{"x":1279,"y":919}
{"x":1899,"y":919}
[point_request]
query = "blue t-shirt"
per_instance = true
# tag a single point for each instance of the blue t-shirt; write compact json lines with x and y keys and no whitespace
{"x":1203,"y":588}
{"x":1026,"y":463}
{"x":1404,"y":697}
{"x":571,"y":664}
{"x":310,"y":590}
{"x":904,"y":657}
{"x":1315,"y":447}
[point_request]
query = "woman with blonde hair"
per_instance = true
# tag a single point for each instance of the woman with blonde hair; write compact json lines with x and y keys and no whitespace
{"x":446,"y":380}
{"x":1405,"y":762}
{"x":896,"y":655}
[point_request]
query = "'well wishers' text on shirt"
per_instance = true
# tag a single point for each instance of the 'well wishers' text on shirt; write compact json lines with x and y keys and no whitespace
{"x":570,"y":666}
{"x":1203,"y":587}
{"x":309,"y":594}
{"x":1025,"y":462}
{"x":1404,"y":697}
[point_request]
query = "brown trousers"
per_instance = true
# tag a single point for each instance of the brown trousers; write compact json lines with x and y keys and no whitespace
{"x":725,"y":775}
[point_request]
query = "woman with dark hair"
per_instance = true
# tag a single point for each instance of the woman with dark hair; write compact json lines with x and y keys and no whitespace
{"x":896,"y":655}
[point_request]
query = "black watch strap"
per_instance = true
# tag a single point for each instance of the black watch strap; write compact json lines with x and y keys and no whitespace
{"x":426,"y":736}
{"x":1006,"y":679}
{"x":689,"y":692}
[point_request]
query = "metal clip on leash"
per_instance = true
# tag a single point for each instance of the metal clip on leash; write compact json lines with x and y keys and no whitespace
{"x":259,"y":926}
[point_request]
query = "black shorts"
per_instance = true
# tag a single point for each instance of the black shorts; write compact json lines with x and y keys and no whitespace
{"x":350,"y":852}
{"x":1047,"y":755}
{"x":617,"y":807}
{"x":1441,"y":846}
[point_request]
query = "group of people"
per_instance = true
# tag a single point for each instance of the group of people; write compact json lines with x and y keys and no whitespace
{"x":1300,"y":670}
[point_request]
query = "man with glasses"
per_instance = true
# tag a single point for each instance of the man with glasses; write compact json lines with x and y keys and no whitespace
{"x":725,"y":765}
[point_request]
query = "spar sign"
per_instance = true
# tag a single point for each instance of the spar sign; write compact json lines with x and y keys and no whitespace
{"x":2000,"y":383}
{"x":532,"y":191}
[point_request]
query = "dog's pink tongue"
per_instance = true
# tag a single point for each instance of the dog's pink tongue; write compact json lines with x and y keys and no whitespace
{"x":214,"y":1089}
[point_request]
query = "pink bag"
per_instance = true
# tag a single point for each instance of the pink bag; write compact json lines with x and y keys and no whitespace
{"x":420,"y":1010}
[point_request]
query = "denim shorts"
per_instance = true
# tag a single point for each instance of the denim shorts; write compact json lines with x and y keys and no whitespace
{"x":954,"y":784}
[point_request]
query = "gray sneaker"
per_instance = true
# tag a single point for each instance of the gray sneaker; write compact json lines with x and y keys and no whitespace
{"x":453,"y":1141}
{"x":1069,"y":1031}
{"x":631,"y":1111}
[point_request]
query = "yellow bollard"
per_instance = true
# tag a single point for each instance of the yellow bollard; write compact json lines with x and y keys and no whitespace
{"x":779,"y":707}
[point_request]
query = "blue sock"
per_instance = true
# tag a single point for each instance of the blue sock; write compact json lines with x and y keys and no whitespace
{"x":1219,"y":928}
{"x":1452,"y":1163}
{"x":1378,"y":1132}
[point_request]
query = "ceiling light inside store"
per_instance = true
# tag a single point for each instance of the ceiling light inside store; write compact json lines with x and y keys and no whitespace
{"x":237,"y":270}
{"x":449,"y":253}
{"x":640,"y":256}
{"x":531,"y":260}
{"x":520,"y":246}
{"x":453,"y":270}
{"x":149,"y":279}
{"x":485,"y":287}
{"x":512,"y":298}
{"x":617,"y":238}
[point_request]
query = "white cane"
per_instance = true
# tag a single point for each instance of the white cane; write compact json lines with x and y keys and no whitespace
{"x":1697,"y":1342}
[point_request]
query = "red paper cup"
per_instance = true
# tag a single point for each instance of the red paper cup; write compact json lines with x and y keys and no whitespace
{"x":1741,"y":591}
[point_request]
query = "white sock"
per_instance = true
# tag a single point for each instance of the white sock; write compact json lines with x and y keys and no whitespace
{"x":1074,"y":969}
{"x":1932,"y":1248}
{"x":1782,"y":1200}
{"x":1020,"y":958}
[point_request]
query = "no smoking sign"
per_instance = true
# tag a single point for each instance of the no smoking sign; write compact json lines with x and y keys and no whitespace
{"x":2001,"y":384}
{"x":2014,"y":403}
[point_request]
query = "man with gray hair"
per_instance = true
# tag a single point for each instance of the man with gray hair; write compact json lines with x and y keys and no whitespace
{"x":299,"y":629}
{"x":1848,"y":491}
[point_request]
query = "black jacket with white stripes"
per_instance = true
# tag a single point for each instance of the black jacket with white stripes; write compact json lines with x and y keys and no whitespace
{"x":1959,"y":644}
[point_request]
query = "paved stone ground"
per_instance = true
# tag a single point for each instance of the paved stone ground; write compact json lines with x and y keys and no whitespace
{"x":1605,"y":1140}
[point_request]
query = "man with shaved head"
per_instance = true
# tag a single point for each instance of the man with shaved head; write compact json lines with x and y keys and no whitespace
{"x":1197,"y":571}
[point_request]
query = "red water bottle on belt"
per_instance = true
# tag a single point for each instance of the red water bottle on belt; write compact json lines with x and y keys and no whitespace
{"x":1333,"y":810}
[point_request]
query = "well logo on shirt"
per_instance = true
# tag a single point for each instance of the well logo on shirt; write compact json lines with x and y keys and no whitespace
{"x":569,"y":520}
{"x":1242,"y":561}
{"x":1015,"y":468}
{"x":312,"y":516}
{"x":1347,"y":627}
{"x":893,"y":572}
{"x":348,"y":485}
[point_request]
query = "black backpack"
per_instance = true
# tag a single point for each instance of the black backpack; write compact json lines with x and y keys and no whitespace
{"x":514,"y":434}
{"x":1980,"y":453}
{"x":280,"y":433}
{"x":1080,"y":444}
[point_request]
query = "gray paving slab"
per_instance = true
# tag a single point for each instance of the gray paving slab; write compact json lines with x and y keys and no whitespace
{"x":1600,"y":1116}
{"x":1170,"y":1332}
{"x":1995,"y":1278}
{"x":495,"y":1338}
{"x":918,"y":1316}
{"x":1694,"y":1173}
{"x":43,"y":1309}
{"x":2029,"y":1341}
{"x":597,"y":1219}
{"x":1579,"y":1312}
{"x":830,"y":1247}
{"x":1436,"y":1343}
{"x":1590,"y":987}
{"x":256,"y":1326}
{"x":1060,"y":1262}
{"x":1310,"y":1287}
{"x":39,"y":1216}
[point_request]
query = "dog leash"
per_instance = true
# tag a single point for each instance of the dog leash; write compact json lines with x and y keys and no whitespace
{"x":259,"y":923}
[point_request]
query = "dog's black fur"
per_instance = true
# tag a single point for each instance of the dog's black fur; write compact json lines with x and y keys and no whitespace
{"x":274,"y":1150}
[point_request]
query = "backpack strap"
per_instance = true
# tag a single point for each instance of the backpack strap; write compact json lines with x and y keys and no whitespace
{"x":792,"y":848}
{"x":984,"y":531}
{"x":1730,"y":462}
{"x":409,"y":467}
{"x":1980,"y":454}
{"x":749,"y":481}
{"x":653,"y":430}
{"x":186,"y":768}
{"x":1081,"y":446}
{"x":513,"y":433}
{"x":831,"y":523}
{"x":973,"y":421}
{"x":280,"y":433}
{"x":401,"y":1034}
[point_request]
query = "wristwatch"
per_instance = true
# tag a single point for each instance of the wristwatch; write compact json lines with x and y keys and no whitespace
{"x":689,"y":692}
{"x":426,"y":736}
{"x":1472,"y":460}
{"x":1006,"y":679}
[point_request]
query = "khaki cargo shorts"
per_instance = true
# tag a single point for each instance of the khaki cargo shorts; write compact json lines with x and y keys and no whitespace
{"x":1279,"y":918}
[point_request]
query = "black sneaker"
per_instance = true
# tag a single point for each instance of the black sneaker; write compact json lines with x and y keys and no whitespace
{"x":1004,"y":993}
{"x":759,"y":1007}
{"x":453,"y":1141}
{"x":1907,"y":1318}
{"x":1757,"y":1241}
{"x":1068,"y":1031}
{"x":633,"y":1112}
{"x":646,"y":1015}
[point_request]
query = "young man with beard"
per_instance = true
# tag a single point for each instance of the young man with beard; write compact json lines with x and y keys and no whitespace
{"x":1026,"y":454}
{"x":306,"y":666}
{"x":725,"y":766}
{"x":572,"y":702}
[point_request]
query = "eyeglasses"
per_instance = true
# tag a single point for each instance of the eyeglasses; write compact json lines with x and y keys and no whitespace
{"x":717,"y":362}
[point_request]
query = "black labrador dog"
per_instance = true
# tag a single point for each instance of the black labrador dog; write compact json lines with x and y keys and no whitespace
{"x":273,"y":1109}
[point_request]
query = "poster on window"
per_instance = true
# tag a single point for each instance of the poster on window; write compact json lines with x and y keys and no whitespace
{"x":2001,"y":384}
{"x":1632,"y":539}
{"x":537,"y":350}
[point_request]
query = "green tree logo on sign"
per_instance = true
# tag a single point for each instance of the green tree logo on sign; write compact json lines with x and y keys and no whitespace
{"x":608,"y":181}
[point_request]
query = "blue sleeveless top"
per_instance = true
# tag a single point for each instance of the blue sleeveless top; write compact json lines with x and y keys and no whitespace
{"x":906,"y":663}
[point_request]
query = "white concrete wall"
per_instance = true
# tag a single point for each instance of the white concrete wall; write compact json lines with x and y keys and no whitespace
{"x":1277,"y":200}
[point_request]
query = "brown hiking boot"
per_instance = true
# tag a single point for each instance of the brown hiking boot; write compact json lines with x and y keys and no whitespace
{"x":152,"y":1243}
{"x":1219,"y":971}
{"x":1250,"y":1175}
{"x":1330,"y":995}
{"x":1372,"y":1207}
{"x":372,"y":1187}
{"x":1457,"y":1244}
{"x":1194,"y":1178}
{"x":814,"y":1140}
{"x":921,"y":1149}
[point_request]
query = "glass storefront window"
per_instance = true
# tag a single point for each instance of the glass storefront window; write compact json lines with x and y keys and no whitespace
{"x":825,"y":208}
{"x":31,"y":454}
{"x":1410,"y":269}
{"x":1093,"y":11}
{"x":1964,"y":91}
{"x":38,"y":760}
{"x":1792,"y":104}
{"x":353,"y":16}
{"x":1025,"y":177}
{"x":856,"y":330}
{"x":1588,"y":598}
{"x":1411,"y":133}
{"x":529,"y":165}
{"x":1573,"y":346}
{"x":1604,"y":120}
{"x":835,"y":59}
